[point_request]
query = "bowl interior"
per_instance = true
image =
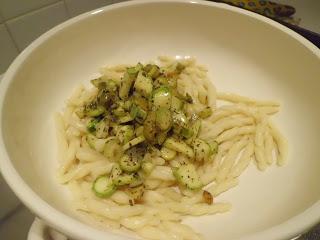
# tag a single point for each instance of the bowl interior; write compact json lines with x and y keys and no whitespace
{"x":244,"y":55}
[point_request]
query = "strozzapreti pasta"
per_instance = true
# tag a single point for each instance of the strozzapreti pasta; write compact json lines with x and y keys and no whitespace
{"x":150,"y":144}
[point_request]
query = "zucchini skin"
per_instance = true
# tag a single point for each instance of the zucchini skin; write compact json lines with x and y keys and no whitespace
{"x":202,"y":150}
{"x":103,"y":187}
{"x":188,"y":176}
{"x":163,"y":119}
{"x":129,"y":164}
{"x":179,"y":146}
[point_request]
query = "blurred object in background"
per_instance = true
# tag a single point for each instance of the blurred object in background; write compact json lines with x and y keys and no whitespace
{"x":279,"y":12}
{"x":267,"y":8}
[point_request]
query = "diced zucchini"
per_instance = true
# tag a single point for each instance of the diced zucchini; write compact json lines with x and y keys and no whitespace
{"x":96,"y":143}
{"x":188,"y":176}
{"x":125,"y":119}
{"x":111,"y":85}
{"x":132,"y":71}
{"x":137,"y":180}
{"x":143,"y":85}
{"x":149,"y":127}
{"x":162,"y":97}
{"x":115,"y":171}
{"x":112,"y":150}
{"x":104,"y":97}
{"x":138,"y":113}
{"x":179,"y":146}
{"x":153,"y":71}
{"x":125,"y":85}
{"x":90,"y":140}
{"x":195,"y":127}
{"x":95,"y":82}
{"x":162,"y":80}
{"x":133,"y":142}
{"x":161,"y":137}
{"x":140,"y":101}
{"x":129,"y":163}
{"x":119,"y":112}
{"x":101,"y":129}
{"x":168,"y":154}
{"x":214,"y":147}
{"x":139,"y":131}
{"x":205,"y":113}
{"x":125,"y":133}
{"x":186,"y":133}
{"x":202,"y":150}
{"x":123,"y":179}
{"x":92,"y":124}
{"x":180,"y":121}
{"x":176,"y":104}
{"x":139,"y":67}
{"x":163,"y":118}
{"x":144,"y":106}
{"x":147,"y":167}
{"x":94,"y":110}
{"x":147,"y":67}
{"x":141,"y":115}
{"x":103,"y":187}
{"x":102,"y":83}
{"x":127,"y":105}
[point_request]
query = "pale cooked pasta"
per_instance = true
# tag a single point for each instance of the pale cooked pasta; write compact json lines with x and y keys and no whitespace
{"x":236,"y":133}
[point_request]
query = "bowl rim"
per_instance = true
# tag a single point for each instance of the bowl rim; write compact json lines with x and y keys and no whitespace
{"x":75,"y":228}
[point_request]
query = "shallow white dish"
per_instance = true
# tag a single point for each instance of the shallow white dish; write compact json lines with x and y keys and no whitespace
{"x":245,"y":53}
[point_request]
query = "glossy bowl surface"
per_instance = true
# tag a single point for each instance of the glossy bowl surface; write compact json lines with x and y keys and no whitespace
{"x":245,"y":53}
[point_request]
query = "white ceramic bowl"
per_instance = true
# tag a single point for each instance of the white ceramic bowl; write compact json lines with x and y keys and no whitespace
{"x":246,"y":53}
